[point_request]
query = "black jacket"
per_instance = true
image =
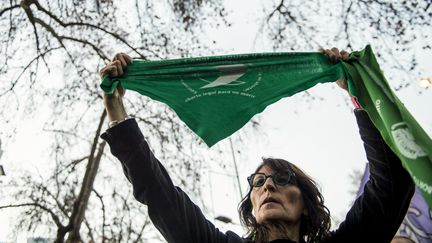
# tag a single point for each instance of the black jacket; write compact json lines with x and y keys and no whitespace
{"x":374,"y":217}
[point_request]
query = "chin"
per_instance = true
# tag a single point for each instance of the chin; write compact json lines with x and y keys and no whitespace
{"x":272,"y":215}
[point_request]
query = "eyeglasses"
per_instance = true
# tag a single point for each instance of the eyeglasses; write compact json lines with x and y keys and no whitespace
{"x":281,"y":179}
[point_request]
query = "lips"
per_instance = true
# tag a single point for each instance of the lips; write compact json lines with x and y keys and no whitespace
{"x":269,"y":200}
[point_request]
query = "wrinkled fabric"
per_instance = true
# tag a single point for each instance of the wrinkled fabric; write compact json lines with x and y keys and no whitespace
{"x":397,"y":126}
{"x":216,"y":96}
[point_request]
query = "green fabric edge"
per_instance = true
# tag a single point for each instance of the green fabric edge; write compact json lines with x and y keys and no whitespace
{"x":422,"y":139}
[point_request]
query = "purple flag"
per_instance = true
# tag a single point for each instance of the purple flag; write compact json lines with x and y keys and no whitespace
{"x":417,"y":224}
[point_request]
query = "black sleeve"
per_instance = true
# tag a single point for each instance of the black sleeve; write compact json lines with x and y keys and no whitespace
{"x":170,"y":209}
{"x":376,"y":215}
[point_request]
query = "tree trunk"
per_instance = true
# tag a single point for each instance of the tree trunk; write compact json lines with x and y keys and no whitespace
{"x":80,"y":205}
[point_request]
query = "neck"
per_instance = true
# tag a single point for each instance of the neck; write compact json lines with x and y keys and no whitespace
{"x":284,"y":231}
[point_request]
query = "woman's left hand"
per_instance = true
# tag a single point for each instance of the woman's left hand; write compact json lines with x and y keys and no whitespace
{"x":335,"y":55}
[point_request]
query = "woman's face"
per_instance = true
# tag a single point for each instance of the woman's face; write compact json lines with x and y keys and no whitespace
{"x":275,"y":202}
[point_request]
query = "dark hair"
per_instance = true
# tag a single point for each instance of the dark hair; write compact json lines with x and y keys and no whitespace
{"x":313,"y":227}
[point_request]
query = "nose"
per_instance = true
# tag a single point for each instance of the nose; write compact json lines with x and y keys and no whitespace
{"x":269,"y":185}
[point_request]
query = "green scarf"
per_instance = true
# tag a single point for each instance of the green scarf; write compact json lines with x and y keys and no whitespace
{"x":216,"y":96}
{"x":397,"y":126}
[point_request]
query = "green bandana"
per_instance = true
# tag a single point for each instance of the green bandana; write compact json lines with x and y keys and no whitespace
{"x":399,"y":129}
{"x":216,"y":96}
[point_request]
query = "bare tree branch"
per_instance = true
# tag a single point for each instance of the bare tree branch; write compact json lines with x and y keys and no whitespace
{"x":103,"y":213}
{"x":74,"y":40}
{"x":9,"y":9}
{"x":54,"y":217}
{"x":40,"y":55}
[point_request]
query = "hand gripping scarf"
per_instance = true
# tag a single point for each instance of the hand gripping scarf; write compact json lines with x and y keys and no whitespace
{"x":215,"y":96}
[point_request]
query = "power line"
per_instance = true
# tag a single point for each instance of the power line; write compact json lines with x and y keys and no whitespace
{"x":235,"y":168}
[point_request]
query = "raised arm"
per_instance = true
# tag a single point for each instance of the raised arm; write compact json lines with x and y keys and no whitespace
{"x":377,"y":214}
{"x":170,"y":209}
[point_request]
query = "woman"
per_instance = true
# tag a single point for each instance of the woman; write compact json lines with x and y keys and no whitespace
{"x":283,"y":203}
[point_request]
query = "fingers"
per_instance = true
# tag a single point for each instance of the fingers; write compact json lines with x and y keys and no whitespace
{"x":335,"y":55}
{"x":113,"y":69}
{"x":117,"y":66}
{"x":123,"y":58}
{"x":345,"y":55}
{"x":110,"y":70}
{"x":342,"y":83}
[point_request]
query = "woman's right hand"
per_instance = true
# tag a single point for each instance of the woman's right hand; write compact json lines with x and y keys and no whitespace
{"x":114,"y":102}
